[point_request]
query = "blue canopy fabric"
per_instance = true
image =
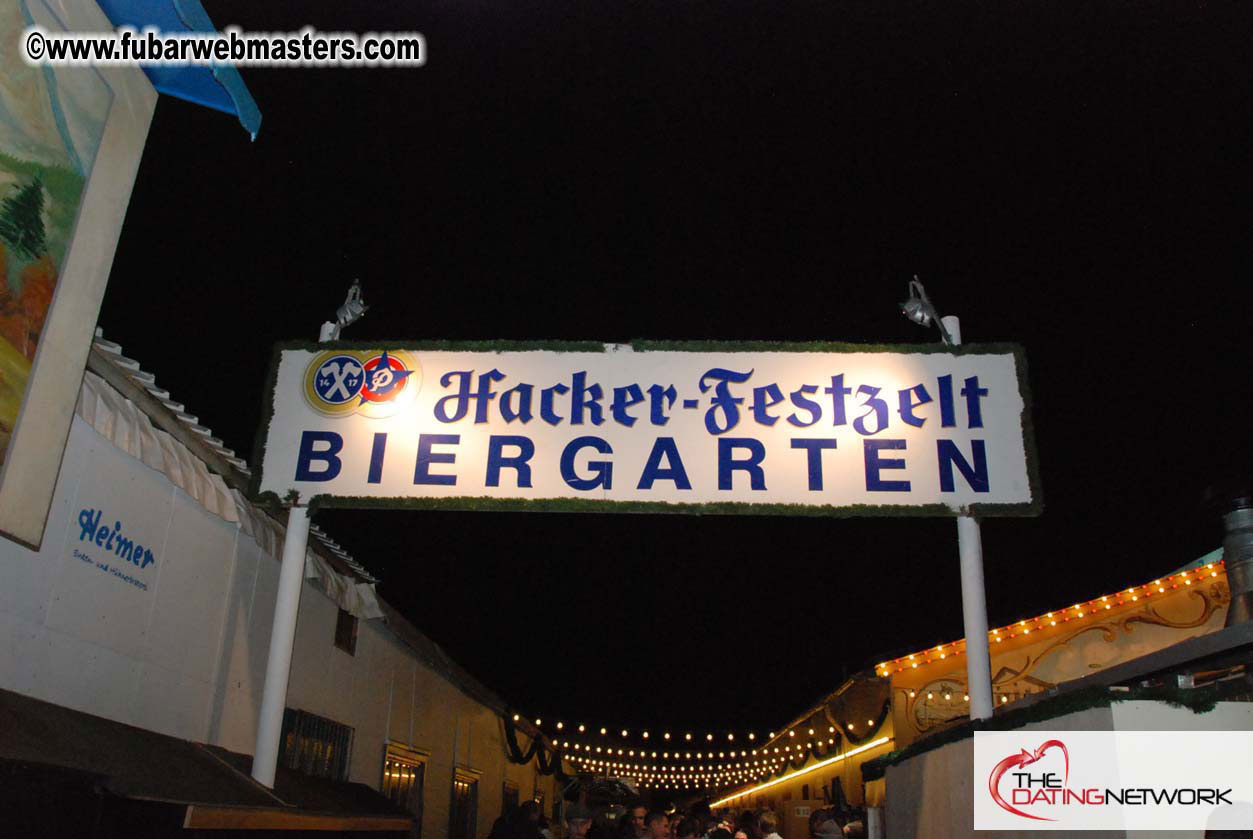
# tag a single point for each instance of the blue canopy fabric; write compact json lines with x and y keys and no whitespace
{"x":218,"y":86}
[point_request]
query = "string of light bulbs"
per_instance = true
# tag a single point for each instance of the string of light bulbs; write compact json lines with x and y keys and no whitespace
{"x":1130,"y":598}
{"x":713,"y":769}
{"x":811,"y":737}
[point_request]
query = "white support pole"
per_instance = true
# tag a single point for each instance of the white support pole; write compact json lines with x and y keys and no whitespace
{"x":278,"y":668}
{"x":974,"y":597}
{"x":975,"y":618}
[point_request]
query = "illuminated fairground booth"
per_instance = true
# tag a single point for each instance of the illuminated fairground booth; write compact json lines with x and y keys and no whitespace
{"x":887,"y":744}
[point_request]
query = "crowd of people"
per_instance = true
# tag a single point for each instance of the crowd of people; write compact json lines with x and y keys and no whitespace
{"x":636,"y":821}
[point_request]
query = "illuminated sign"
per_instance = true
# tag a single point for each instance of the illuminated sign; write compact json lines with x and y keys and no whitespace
{"x":825,"y":429}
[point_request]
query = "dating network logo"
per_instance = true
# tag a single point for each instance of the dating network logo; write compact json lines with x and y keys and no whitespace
{"x":1099,"y":780}
{"x":1046,"y":783}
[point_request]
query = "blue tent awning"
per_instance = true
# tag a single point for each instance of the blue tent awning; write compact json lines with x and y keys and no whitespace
{"x":218,"y":86}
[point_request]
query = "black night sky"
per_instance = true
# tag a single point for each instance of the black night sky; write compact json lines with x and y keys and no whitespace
{"x":1073,"y":177}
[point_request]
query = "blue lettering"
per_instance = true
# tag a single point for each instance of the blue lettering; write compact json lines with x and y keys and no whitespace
{"x":460,"y":399}
{"x":422,"y":470}
{"x":623,"y":398}
{"x":89,"y":521}
{"x":485,"y":394}
{"x":674,"y":471}
{"x":375,"y":474}
{"x":602,"y":470}
{"x":814,"y":449}
{"x":752,"y":464}
{"x":522,"y":410}
{"x":546,"y":411}
{"x":585,"y":397}
{"x":660,"y":399}
{"x":761,"y":406}
{"x":837,"y":392}
{"x":875,"y":464}
{"x":974,"y":410}
{"x":520,"y":462}
{"x":876,"y":406}
{"x":329,"y":455}
{"x":949,"y":455}
{"x":722,"y":402}
{"x":911,"y":398}
{"x":948,"y":417}
{"x":799,"y":400}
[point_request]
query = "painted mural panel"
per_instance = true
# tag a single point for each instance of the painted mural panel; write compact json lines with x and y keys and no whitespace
{"x":51,"y":122}
{"x":70,"y":143}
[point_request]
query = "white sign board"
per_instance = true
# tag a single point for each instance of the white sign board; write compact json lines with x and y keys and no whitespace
{"x":784,"y":429}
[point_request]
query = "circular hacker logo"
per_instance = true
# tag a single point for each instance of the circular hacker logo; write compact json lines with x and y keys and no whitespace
{"x":374,"y":384}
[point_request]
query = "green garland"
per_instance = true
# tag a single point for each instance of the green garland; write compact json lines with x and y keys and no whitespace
{"x":469,"y":503}
{"x":547,"y":762}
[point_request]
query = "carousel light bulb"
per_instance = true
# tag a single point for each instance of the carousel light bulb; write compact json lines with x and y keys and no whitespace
{"x":516,"y":717}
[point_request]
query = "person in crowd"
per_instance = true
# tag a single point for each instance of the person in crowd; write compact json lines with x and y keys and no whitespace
{"x":689,"y":827}
{"x":525,"y":822}
{"x":631,"y":825}
{"x":747,"y":826}
{"x":656,"y":825}
{"x":604,"y":825}
{"x":545,"y":830}
{"x":827,"y":826}
{"x":578,"y":820}
{"x":720,"y":833}
{"x":500,"y":827}
{"x":768,"y":825}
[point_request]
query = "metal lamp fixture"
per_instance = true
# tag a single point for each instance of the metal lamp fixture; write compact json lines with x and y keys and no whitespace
{"x":346,"y":315}
{"x":918,"y":309}
{"x":353,"y":307}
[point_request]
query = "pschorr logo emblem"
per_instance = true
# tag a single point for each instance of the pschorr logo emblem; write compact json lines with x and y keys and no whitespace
{"x":374,"y":384}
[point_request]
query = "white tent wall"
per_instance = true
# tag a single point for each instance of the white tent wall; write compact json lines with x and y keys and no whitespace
{"x":178,"y":644}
